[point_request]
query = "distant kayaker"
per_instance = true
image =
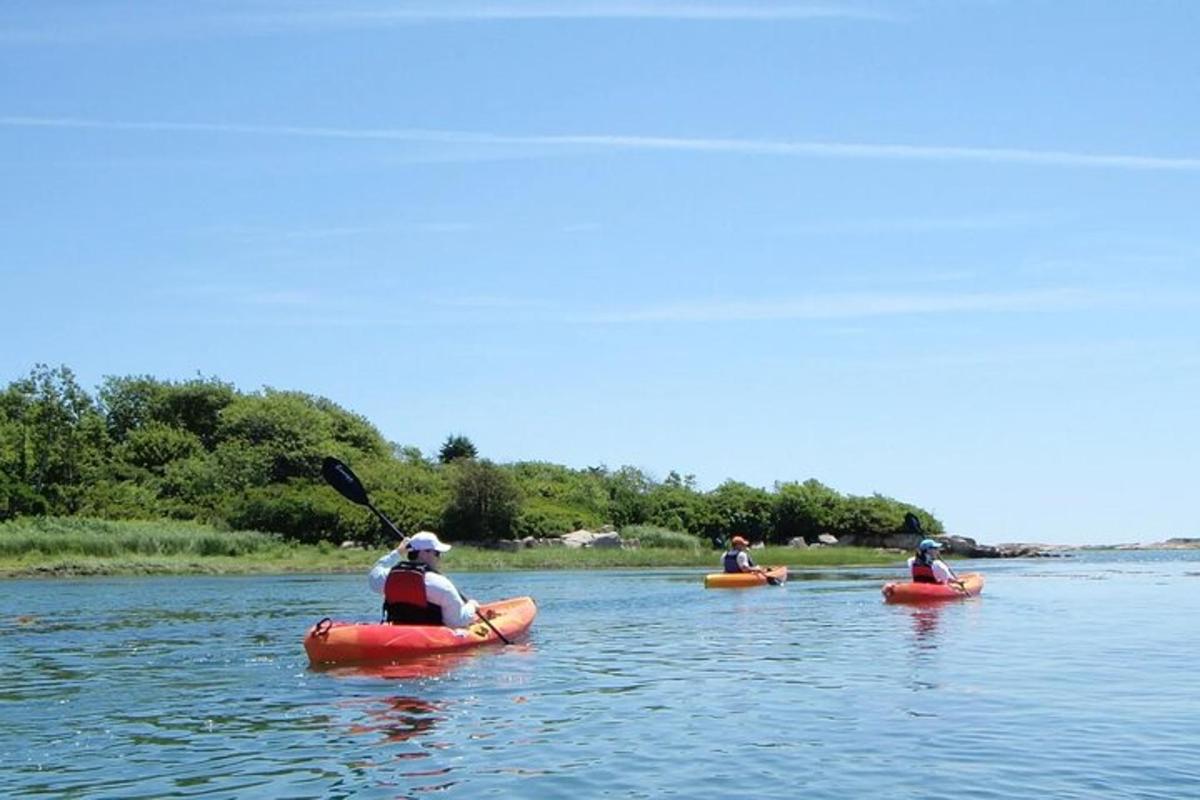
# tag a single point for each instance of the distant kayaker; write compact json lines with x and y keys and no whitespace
{"x":414,"y":592}
{"x":928,"y":567}
{"x":737,"y":559}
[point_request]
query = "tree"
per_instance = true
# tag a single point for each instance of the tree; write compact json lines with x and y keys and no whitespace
{"x":628,"y":496}
{"x":456,"y":447}
{"x":805,"y":510}
{"x":57,"y":438}
{"x":738,"y":508}
{"x":484,"y":501}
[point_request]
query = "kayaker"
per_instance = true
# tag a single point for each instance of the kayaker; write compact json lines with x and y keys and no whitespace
{"x":414,"y":591}
{"x":737,"y":559}
{"x":927,"y":566}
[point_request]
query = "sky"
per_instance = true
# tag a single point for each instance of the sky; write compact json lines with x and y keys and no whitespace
{"x":942,"y":250}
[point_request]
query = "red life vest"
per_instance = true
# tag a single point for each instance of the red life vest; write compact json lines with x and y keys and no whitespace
{"x":922,"y":572}
{"x":404,"y":599}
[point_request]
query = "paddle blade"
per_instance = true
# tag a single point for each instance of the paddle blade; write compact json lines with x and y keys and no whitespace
{"x":339,"y":476}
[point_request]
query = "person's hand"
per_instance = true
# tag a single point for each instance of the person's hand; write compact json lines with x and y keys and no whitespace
{"x":403,"y":544}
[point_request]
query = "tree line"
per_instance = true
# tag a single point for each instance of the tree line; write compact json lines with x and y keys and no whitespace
{"x":143,"y":448}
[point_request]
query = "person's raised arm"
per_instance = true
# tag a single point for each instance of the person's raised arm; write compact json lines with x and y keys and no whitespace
{"x":378,"y":576}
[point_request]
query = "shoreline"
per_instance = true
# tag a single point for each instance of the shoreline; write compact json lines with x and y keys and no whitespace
{"x":464,"y":559}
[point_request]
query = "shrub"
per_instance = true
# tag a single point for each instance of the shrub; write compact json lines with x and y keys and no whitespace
{"x":656,"y":536}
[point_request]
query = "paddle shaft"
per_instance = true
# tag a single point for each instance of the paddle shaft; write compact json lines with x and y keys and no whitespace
{"x":343,"y":479}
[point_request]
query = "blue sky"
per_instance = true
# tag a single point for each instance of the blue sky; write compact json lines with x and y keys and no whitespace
{"x":942,"y":250}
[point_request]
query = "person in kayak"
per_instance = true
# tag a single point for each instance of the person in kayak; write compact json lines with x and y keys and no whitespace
{"x":414,"y":591}
{"x":927,"y":566}
{"x":737,"y":559}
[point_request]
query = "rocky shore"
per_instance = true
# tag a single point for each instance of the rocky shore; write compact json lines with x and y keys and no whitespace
{"x":961,"y":546}
{"x":1178,"y":543}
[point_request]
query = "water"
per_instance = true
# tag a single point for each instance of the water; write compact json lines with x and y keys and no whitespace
{"x":1069,"y":678}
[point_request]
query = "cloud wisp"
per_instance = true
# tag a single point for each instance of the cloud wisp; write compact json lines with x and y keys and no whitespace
{"x":243,"y":18}
{"x":866,"y":305}
{"x":769,"y":148}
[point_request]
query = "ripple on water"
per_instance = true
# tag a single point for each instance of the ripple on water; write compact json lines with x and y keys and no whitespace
{"x":632,"y":685}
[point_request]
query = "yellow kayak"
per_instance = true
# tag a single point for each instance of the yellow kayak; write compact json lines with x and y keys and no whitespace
{"x":743,"y":580}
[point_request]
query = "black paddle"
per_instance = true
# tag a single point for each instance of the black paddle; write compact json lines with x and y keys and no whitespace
{"x":340,"y":477}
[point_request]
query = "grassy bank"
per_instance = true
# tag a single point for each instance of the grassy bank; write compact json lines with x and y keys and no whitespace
{"x":63,"y":546}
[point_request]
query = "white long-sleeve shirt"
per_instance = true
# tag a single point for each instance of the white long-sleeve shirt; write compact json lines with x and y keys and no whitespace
{"x":456,"y":612}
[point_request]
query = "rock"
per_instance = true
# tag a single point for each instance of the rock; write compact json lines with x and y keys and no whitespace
{"x":611,"y":540}
{"x":350,"y":545}
{"x":508,"y":545}
{"x":827,"y":538}
{"x":797,"y":542}
{"x":579,"y":538}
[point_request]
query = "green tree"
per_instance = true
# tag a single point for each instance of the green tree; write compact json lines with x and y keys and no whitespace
{"x":55,"y":439}
{"x":804,"y":510}
{"x":738,"y":508}
{"x":628,"y":490}
{"x":484,"y":501}
{"x":195,"y":406}
{"x":456,"y":447}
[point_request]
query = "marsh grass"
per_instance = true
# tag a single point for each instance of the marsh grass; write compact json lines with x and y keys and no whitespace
{"x":50,"y":546}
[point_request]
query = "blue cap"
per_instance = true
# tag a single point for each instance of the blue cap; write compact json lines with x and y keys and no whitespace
{"x":929,"y":544}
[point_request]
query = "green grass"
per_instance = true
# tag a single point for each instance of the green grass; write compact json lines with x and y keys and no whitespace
{"x":54,"y":546}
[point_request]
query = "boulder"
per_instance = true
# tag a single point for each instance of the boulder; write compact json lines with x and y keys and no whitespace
{"x":579,"y":538}
{"x":611,"y":540}
{"x":827,"y":538}
{"x":797,"y":542}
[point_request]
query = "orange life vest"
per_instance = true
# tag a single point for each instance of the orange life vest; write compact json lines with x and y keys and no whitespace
{"x":404,"y":599}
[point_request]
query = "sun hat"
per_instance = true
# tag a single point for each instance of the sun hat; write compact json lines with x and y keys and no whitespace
{"x":424,"y":540}
{"x":739,"y":540}
{"x":929,"y":544}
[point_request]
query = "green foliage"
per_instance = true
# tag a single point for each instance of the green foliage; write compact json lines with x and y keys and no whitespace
{"x":654,"y":536}
{"x":55,"y":440}
{"x":628,"y":490}
{"x":678,"y":507}
{"x":484,"y":501}
{"x":455,"y":447}
{"x":737,"y":509}
{"x":155,"y":445}
{"x":295,"y":509}
{"x":195,"y":406}
{"x":414,"y":492}
{"x":804,"y":510}
{"x":557,"y":499}
{"x":80,"y":536}
{"x":200,"y":450}
{"x":286,"y":428}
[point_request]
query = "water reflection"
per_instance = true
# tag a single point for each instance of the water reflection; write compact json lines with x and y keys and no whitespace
{"x":925,"y":625}
{"x":432,"y":666}
{"x":400,"y":718}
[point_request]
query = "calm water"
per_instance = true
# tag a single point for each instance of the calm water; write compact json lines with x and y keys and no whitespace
{"x":1068,"y":678}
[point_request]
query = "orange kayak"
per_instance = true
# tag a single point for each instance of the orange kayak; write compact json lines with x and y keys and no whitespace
{"x":972,"y":584}
{"x":743,"y":580}
{"x":330,"y":642}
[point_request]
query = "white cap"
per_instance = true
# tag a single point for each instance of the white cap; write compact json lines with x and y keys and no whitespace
{"x":424,"y":540}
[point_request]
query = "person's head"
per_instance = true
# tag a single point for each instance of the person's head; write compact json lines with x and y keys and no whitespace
{"x":427,"y":548}
{"x":739,"y":543}
{"x":929,"y":548}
